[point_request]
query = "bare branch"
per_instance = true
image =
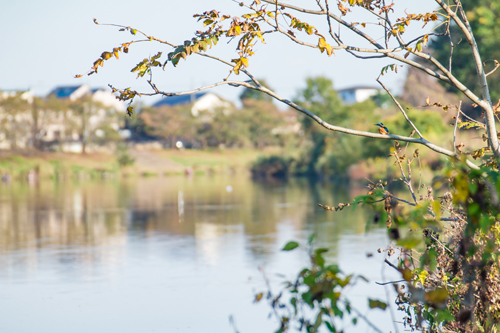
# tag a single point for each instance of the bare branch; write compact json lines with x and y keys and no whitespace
{"x":359,"y":314}
{"x":390,"y":282}
{"x":391,"y":264}
{"x":402,"y":200}
{"x":379,"y":48}
{"x":497,"y":64}
{"x":455,"y":128}
{"x":320,"y":5}
{"x":402,"y":110}
{"x":406,"y":180}
{"x":473,"y":120}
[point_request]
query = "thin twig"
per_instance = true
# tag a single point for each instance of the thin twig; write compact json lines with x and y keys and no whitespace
{"x":402,"y":200}
{"x":405,"y":179}
{"x":497,"y":64}
{"x":390,"y":282}
{"x":401,"y":109}
{"x":388,"y":300}
{"x":455,"y":128}
{"x":362,"y":316}
{"x":391,"y":264}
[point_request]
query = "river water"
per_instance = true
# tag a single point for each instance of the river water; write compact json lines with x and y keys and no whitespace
{"x":172,"y":254}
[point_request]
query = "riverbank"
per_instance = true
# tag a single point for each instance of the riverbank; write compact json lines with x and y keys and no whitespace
{"x":22,"y":165}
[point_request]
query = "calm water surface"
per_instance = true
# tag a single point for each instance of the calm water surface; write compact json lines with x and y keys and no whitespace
{"x":169,"y":254}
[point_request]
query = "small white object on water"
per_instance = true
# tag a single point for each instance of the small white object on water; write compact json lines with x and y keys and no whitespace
{"x":229,"y":189}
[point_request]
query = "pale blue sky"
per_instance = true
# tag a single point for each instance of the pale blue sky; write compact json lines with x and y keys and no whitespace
{"x":44,"y":44}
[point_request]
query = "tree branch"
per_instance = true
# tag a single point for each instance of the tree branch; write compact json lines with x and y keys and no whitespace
{"x":485,"y":104}
{"x":402,"y":110}
{"x":455,"y":128}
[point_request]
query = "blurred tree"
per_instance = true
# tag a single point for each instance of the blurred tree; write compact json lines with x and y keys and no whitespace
{"x":261,"y":118}
{"x":320,"y":98}
{"x":249,"y":94}
{"x":15,"y":120}
{"x":169,"y":123}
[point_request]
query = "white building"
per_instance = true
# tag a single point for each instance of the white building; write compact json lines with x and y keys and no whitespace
{"x":201,"y":103}
{"x":103,"y":96}
{"x":357,"y":94}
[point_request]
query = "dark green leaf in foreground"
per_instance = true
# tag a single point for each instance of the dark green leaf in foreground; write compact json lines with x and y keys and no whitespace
{"x":290,"y":246}
{"x":376,"y":304}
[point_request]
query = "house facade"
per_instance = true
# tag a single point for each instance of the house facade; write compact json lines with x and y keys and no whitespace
{"x":203,"y":104}
{"x":357,"y":94}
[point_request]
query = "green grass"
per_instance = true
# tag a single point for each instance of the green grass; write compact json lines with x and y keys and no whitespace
{"x":96,"y":166}
{"x":213,"y":159}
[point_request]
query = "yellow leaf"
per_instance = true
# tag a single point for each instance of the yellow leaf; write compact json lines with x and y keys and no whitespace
{"x":363,"y":25}
{"x":329,"y":49}
{"x":322,"y":43}
{"x":78,"y":75}
{"x":244,"y":61}
{"x":436,"y":296}
{"x":422,"y":276}
{"x":436,"y":207}
{"x":261,"y":37}
{"x":406,"y":274}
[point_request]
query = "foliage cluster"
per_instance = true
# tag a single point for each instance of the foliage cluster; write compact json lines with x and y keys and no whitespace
{"x":257,"y":125}
{"x":447,"y":245}
{"x":316,"y":297}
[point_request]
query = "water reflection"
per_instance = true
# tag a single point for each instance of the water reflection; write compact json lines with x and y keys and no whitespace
{"x":165,"y":241}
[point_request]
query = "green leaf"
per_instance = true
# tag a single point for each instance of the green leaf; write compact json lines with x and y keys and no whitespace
{"x":133,"y":31}
{"x":290,"y":246}
{"x":376,"y":304}
{"x":311,"y":238}
{"x":330,"y":327}
{"x":320,"y":261}
{"x":156,"y":56}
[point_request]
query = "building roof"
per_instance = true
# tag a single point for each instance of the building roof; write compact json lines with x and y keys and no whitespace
{"x":179,"y":100}
{"x":64,"y":91}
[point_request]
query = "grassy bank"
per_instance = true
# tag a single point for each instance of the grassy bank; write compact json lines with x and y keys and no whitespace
{"x":20,"y":164}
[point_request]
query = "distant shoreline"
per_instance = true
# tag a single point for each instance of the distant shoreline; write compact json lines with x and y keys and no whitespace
{"x":30,"y":165}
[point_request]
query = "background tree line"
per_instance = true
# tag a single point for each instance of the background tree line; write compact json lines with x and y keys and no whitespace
{"x":30,"y":122}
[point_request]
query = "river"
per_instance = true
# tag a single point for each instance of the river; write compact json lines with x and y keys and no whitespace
{"x":172,"y":254}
